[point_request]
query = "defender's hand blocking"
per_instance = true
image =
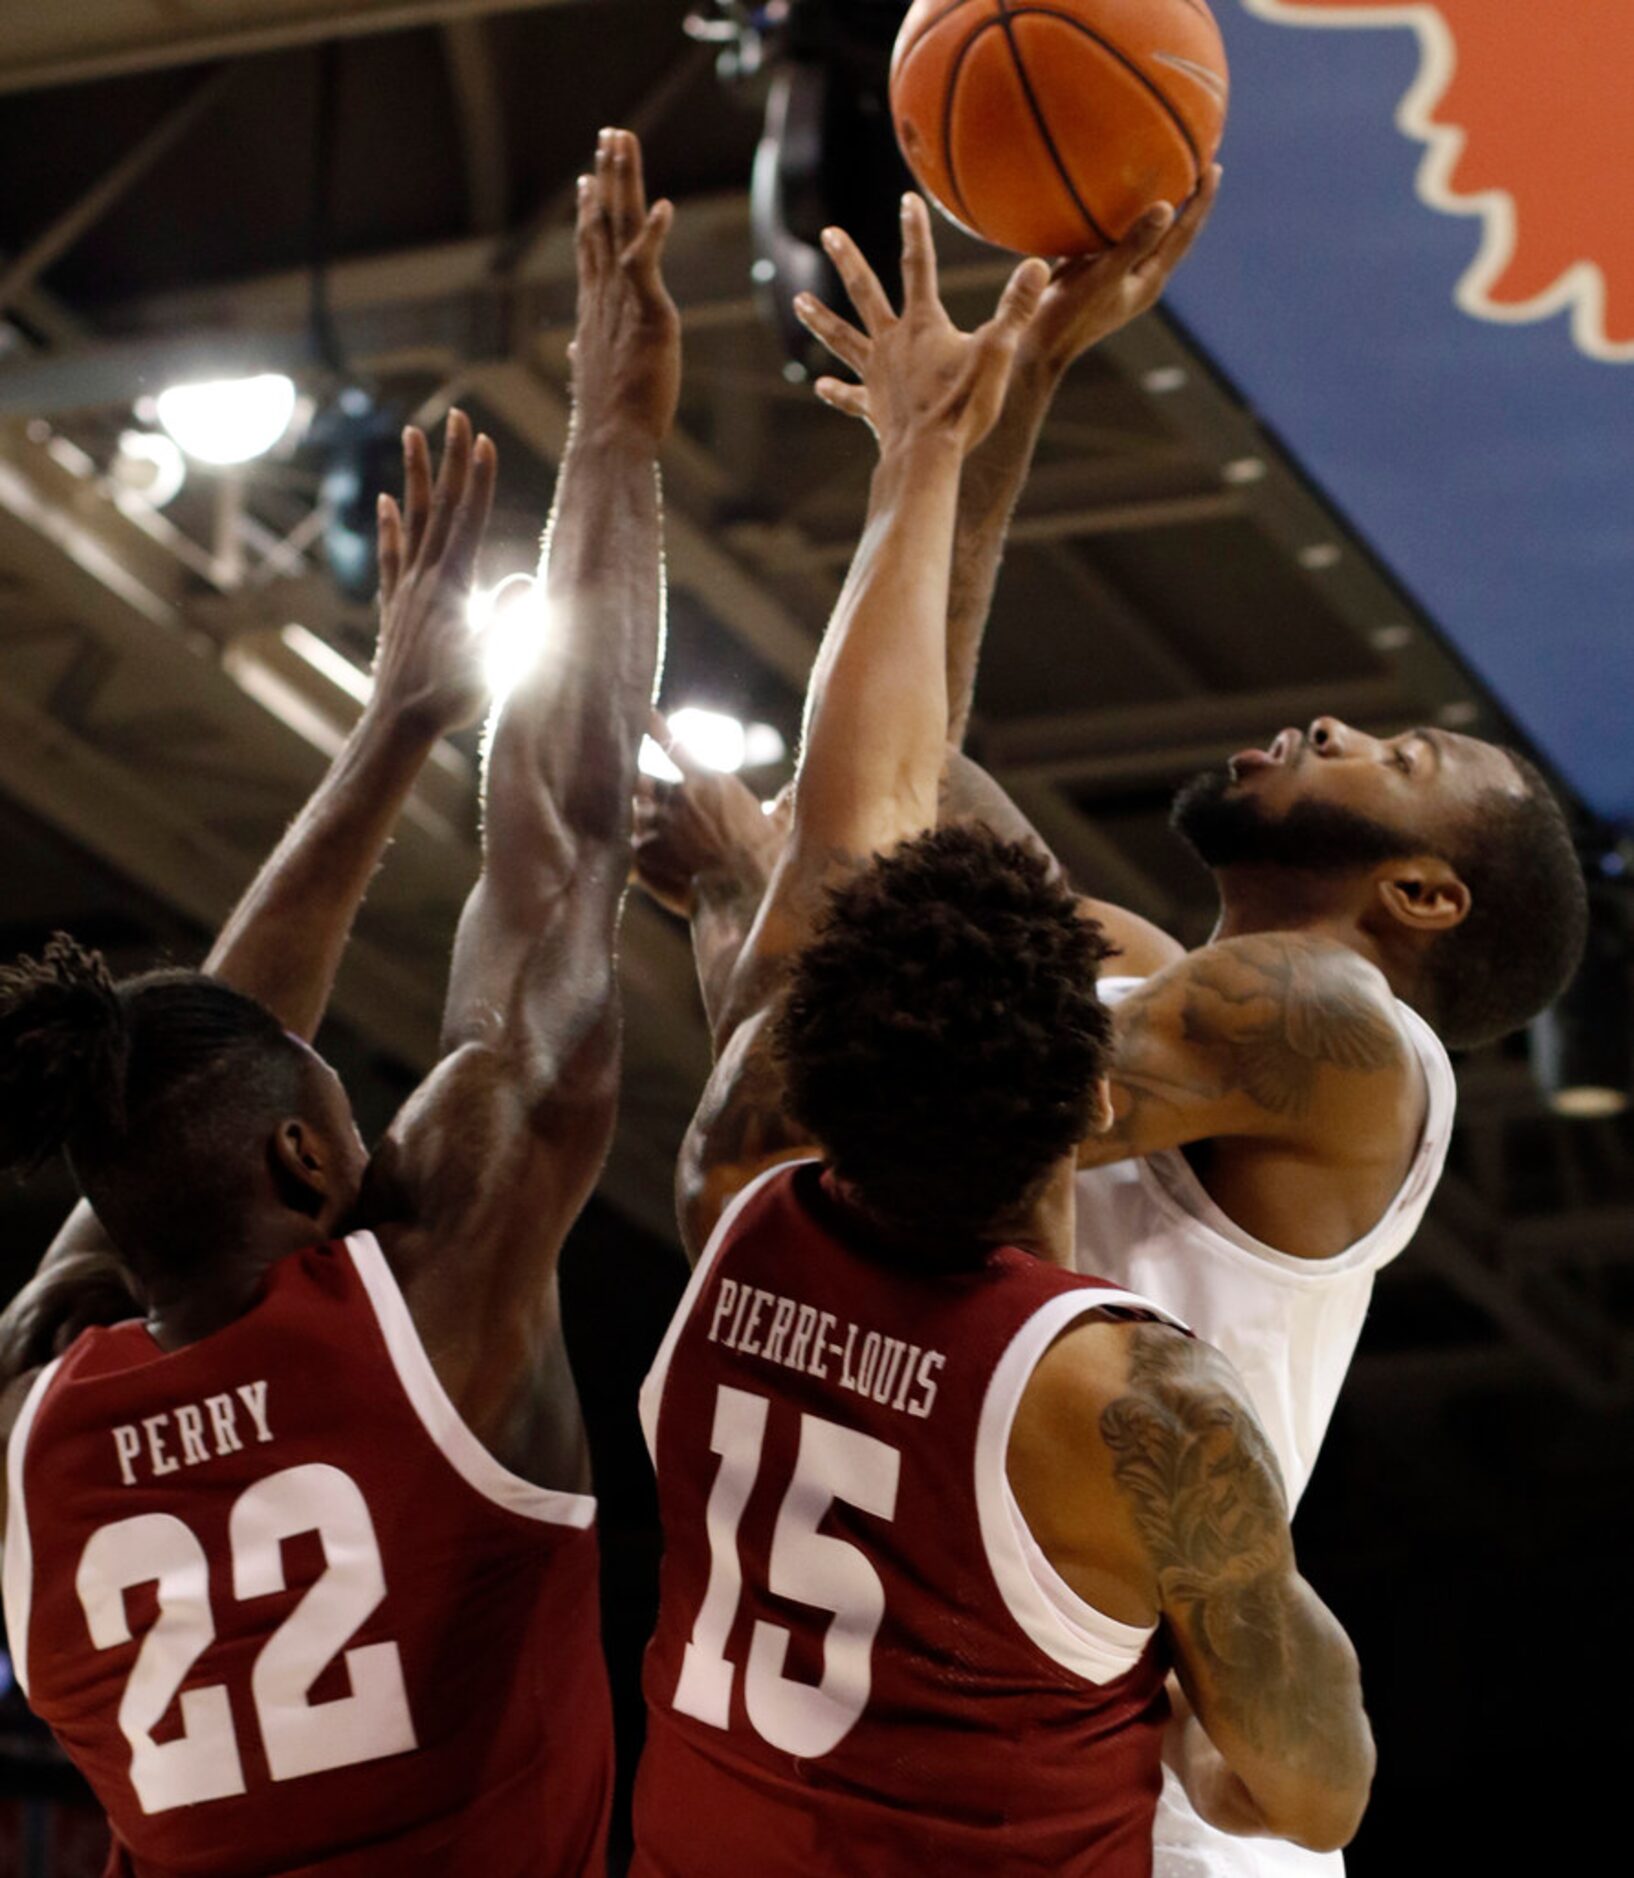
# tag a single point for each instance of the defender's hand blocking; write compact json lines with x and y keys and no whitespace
{"x":1097,"y":295}
{"x":428,"y":666}
{"x":627,"y":350}
{"x":920,"y":375}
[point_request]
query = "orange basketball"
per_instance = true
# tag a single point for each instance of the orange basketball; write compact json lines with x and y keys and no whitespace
{"x":1050,"y":127}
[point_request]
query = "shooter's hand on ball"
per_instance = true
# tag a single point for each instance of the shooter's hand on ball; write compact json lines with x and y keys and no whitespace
{"x":921,"y":377}
{"x":428,"y":668}
{"x":1091,"y":298}
{"x":627,"y":351}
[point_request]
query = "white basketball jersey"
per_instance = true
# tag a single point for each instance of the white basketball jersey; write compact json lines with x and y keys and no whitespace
{"x":1289,"y":1324}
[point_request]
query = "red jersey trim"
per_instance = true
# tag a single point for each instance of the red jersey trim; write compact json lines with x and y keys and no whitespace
{"x":17,"y":1575}
{"x":1068,"y":1630}
{"x":652,"y":1390}
{"x":438,"y":1415}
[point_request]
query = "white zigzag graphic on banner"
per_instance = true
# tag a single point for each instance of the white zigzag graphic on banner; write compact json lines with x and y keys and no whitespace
{"x":1580,"y":288}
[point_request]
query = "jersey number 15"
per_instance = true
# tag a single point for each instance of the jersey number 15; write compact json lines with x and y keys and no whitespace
{"x":809,"y":1566}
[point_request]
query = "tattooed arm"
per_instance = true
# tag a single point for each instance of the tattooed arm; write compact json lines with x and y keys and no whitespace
{"x":1142,"y":1472}
{"x":1277,"y":1037}
{"x":1267,"y":1667}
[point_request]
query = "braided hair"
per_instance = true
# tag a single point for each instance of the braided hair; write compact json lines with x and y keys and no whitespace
{"x":159,"y":1090}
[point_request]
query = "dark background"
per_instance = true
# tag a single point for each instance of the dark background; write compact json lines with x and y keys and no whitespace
{"x":1177,"y":588}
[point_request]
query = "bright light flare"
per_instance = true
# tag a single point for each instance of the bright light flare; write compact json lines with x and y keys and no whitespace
{"x":228,"y":420}
{"x":711,"y":738}
{"x":655,"y":761}
{"x":514,"y":620}
{"x":714,"y":741}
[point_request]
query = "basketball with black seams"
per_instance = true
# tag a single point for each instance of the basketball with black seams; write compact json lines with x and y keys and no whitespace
{"x":1050,"y":127}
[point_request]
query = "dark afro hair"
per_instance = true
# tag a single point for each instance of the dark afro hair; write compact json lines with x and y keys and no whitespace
{"x":941,"y":1037}
{"x":1528,"y":919}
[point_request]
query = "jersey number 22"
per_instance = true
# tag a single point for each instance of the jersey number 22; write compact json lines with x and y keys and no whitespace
{"x":202,"y":1762}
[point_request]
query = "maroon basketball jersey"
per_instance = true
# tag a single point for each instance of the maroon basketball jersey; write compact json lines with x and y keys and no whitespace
{"x":287,"y":1615}
{"x":863,"y":1662}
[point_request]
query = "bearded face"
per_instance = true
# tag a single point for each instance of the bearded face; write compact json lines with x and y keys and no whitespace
{"x":1227,"y":826}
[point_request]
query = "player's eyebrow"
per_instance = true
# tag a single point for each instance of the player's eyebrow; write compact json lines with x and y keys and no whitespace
{"x":1434,"y":742}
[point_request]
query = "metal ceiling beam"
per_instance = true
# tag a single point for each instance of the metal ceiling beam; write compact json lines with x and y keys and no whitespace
{"x":46,"y":46}
{"x":475,"y":80}
{"x":53,"y":243}
{"x":1057,"y":745}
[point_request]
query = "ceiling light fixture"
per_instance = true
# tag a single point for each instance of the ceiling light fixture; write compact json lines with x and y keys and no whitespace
{"x":228,"y":420}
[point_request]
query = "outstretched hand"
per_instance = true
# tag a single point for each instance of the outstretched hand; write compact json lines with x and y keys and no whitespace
{"x":428,"y":665}
{"x":1091,"y":298}
{"x":920,"y":376}
{"x":626,"y":352}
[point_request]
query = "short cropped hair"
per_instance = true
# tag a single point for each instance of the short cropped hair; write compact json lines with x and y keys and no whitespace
{"x":1528,"y":920}
{"x":941,"y":1038}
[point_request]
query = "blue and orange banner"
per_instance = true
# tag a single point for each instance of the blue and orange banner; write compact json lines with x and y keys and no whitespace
{"x":1421,"y":274}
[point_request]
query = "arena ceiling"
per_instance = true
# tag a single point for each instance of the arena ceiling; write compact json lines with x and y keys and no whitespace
{"x":1175,"y":590}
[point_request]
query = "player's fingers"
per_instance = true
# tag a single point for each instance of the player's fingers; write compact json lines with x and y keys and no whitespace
{"x":471,"y":518}
{"x":416,"y":491}
{"x":1193,"y":219}
{"x":627,"y":196}
{"x":919,"y":283}
{"x":861,"y":282}
{"x":451,"y":480}
{"x":851,"y":399}
{"x":842,"y":338}
{"x":1146,"y":237}
{"x":644,"y":257}
{"x":587,"y":231}
{"x":389,"y":536}
{"x":1021,"y":299}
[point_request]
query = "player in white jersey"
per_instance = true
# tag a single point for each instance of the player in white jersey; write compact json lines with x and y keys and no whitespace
{"x":1283,"y":1095}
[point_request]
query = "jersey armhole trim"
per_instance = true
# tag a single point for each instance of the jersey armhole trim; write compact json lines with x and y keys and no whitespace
{"x":17,"y":1572}
{"x":652,"y":1389}
{"x":438,"y":1415}
{"x":1069,"y":1631}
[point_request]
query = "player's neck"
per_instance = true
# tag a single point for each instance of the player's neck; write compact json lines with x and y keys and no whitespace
{"x":187,"y":1303}
{"x":1271,"y":900}
{"x":1278,"y":899}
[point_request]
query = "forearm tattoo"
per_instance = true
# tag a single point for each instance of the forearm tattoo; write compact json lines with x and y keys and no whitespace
{"x":1208,"y":1503}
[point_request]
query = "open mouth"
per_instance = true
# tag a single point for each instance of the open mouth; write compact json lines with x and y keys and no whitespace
{"x":1284,"y":749}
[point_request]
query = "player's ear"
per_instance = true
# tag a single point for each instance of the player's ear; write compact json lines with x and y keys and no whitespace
{"x":301,"y":1165}
{"x":1101,"y":1118}
{"x":1424,"y":894}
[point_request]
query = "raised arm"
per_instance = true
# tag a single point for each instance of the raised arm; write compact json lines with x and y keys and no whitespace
{"x":1087,"y":301}
{"x":876,"y":713}
{"x":1144,"y":1475}
{"x":284,"y":941}
{"x":491,"y":1160}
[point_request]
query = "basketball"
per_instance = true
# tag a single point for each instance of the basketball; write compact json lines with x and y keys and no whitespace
{"x":1049,"y":129}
